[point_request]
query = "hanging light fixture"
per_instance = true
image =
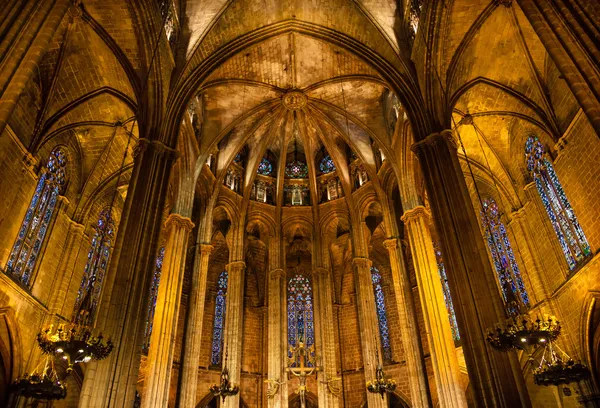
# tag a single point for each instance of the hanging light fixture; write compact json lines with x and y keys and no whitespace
{"x":225,"y":388}
{"x":519,"y":331}
{"x":41,"y":385}
{"x":558,"y":369}
{"x":380,"y":385}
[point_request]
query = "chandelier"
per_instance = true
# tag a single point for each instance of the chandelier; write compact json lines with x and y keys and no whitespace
{"x":74,"y":343}
{"x":381,"y":385}
{"x":519,"y":331}
{"x":557,"y":370}
{"x":43,"y":385}
{"x":225,"y":388}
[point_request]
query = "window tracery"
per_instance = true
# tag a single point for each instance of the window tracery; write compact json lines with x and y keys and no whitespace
{"x":414,"y":15}
{"x":265,"y":167}
{"x":90,"y":289}
{"x":447,"y":295}
{"x":219,"y":320}
{"x":327,"y":165}
{"x":300,"y":311}
{"x":34,"y":228}
{"x":384,"y":332}
{"x":359,"y":175}
{"x":296,"y":169}
{"x":153,"y":296}
{"x":503,"y":257}
{"x":570,"y":235}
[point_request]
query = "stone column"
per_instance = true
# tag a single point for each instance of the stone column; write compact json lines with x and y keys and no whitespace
{"x":439,"y":333}
{"x":193,"y":329}
{"x":409,"y":326}
{"x":233,"y":326}
{"x":164,"y":326}
{"x":277,"y":347}
{"x":23,"y":46}
{"x":569,"y":35}
{"x":369,"y":326}
{"x":124,"y":304}
{"x":324,"y":302}
{"x":476,"y":298}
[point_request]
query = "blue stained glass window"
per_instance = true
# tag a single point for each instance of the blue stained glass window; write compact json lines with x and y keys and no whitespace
{"x":88,"y":296}
{"x":384,"y":332}
{"x":219,"y":321}
{"x":153,"y":296}
{"x":327,"y":165}
{"x":265,"y":167}
{"x":300,"y":311}
{"x":296,"y":169}
{"x":25,"y":251}
{"x":502,"y":255}
{"x":447,"y":296}
{"x":566,"y":226}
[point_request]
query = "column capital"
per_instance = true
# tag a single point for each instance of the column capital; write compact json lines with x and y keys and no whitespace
{"x":435,"y":138}
{"x":320,"y":271}
{"x":236,"y":265}
{"x":277,"y":273}
{"x":75,"y":226}
{"x":415,"y":213}
{"x":362,"y":261}
{"x":179,"y":221}
{"x":390,"y":244}
{"x":144,"y":144}
{"x":206,"y":249}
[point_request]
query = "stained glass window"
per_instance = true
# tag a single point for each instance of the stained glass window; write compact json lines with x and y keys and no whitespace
{"x":152,"y":301}
{"x":415,"y":12}
{"x":219,"y":321}
{"x":503,"y":257}
{"x":327,"y":165}
{"x":25,"y":251}
{"x":300,"y":311}
{"x":265,"y":167}
{"x":384,"y":332}
{"x":238,"y":158}
{"x":570,"y":235}
{"x":296,"y":169}
{"x":88,"y":296}
{"x":447,"y":296}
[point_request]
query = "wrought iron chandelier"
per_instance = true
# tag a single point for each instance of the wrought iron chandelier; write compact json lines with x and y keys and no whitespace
{"x":42,"y":385}
{"x":225,"y":388}
{"x":74,"y":343}
{"x":520,"y":331}
{"x":556,"y":370}
{"x":380,"y":385}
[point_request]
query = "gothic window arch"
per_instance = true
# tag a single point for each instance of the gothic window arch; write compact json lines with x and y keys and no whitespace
{"x":384,"y":332}
{"x":265,"y":167}
{"x":505,"y":263}
{"x":219,"y":320}
{"x":447,"y":295}
{"x":327,"y":165}
{"x":153,"y":296}
{"x":300,"y":311}
{"x":34,"y":228}
{"x":570,"y":235}
{"x":88,"y":296}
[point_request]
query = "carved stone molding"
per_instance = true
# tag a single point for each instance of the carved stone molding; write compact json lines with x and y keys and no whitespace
{"x":206,"y":249}
{"x":294,"y":100}
{"x":236,"y":264}
{"x":320,"y":271}
{"x":445,"y":136}
{"x":390,"y":244}
{"x":144,"y":144}
{"x":277,"y":273}
{"x":415,"y":213}
{"x":179,"y":221}
{"x":362,"y":262}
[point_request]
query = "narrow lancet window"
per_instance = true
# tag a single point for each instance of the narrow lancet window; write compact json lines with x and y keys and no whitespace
{"x":26,"y":249}
{"x":153,"y":296}
{"x":300,"y":311}
{"x":90,"y":289}
{"x":219,"y":321}
{"x":509,"y":276}
{"x":447,"y":296}
{"x":572,"y":240}
{"x":384,"y":332}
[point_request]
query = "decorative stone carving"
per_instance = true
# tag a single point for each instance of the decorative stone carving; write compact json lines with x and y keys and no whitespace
{"x":294,"y":100}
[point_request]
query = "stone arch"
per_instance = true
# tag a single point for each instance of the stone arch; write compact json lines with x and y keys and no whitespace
{"x":311,"y":401}
{"x":10,"y":351}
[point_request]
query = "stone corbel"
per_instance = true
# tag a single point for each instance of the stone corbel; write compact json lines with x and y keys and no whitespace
{"x":333,"y":387}
{"x":179,"y":221}
{"x":415,"y":213}
{"x":144,"y":144}
{"x":29,"y":163}
{"x":273,"y":387}
{"x":277,"y":274}
{"x":362,"y":262}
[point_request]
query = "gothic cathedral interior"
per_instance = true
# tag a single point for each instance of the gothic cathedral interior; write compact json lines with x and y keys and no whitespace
{"x":299,"y":203}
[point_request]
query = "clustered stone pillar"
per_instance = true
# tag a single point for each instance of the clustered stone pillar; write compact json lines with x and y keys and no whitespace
{"x":322,"y":284}
{"x":193,"y":329}
{"x":477,"y":301}
{"x":168,"y":301}
{"x":369,"y":327}
{"x":409,"y":327}
{"x":277,"y":347}
{"x":122,"y":315}
{"x":439,"y":332}
{"x":232,"y":358}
